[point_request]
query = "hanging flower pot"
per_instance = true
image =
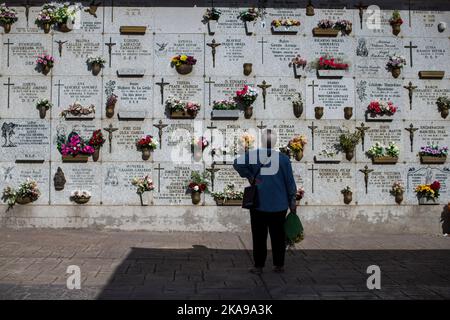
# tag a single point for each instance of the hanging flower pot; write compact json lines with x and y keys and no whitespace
{"x":146,"y":145}
{"x":248,"y":112}
{"x":146,"y":153}
{"x":396,"y":72}
{"x":80,"y":196}
{"x":110,"y":105}
{"x":96,"y":68}
{"x":42,"y":111}
{"x":196,"y":197}
{"x":349,"y":154}
{"x":248,"y":68}
{"x":396,"y":28}
{"x":212,"y":26}
{"x":348,"y":113}
{"x":298,"y":155}
{"x":183,"y":63}
{"x":444,"y":113}
{"x":96,"y":154}
{"x":63,"y":27}
{"x":46,"y":27}
{"x":399,"y":198}
{"x":249,"y":27}
{"x":298,"y":108}
{"x":184,"y":69}
{"x":318,"y":112}
{"x":23,"y":200}
{"x":7,"y":27}
{"x":46,"y":70}
{"x":348,"y":197}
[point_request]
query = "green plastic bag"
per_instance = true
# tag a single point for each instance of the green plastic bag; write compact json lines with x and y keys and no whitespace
{"x":293,"y":229}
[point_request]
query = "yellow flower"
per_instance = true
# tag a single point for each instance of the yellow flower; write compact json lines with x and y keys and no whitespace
{"x":183,"y":57}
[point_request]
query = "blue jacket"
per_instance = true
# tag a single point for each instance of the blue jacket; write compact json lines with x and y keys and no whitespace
{"x":276,"y":188}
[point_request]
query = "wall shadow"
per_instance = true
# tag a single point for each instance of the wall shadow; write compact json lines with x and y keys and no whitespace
{"x":445,"y":219}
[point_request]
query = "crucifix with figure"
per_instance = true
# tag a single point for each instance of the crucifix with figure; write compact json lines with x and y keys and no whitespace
{"x":160,"y":127}
{"x":213,"y":46}
{"x":110,"y":131}
{"x":410,"y":89}
{"x":313,"y":128}
{"x":60,"y":46}
{"x":312,"y":85}
{"x":410,"y":47}
{"x":212,"y":171}
{"x":110,"y":44}
{"x":264,"y":86}
{"x":411,"y":131}
{"x":361,"y":9}
{"x":312,"y":177}
{"x":9,"y":84}
{"x":366,"y":172}
{"x":8,"y":43}
{"x":362,"y":130}
{"x":161,"y":85}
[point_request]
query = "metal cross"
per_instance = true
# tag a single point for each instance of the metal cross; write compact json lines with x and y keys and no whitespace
{"x":8,"y":43}
{"x":264,"y":86}
{"x":261,"y":126}
{"x":209,"y":82}
{"x":410,"y":53}
{"x":361,"y":9}
{"x":312,"y":177}
{"x":411,"y":131}
{"x":9,"y":84}
{"x":213,"y":46}
{"x":212,"y":171}
{"x":59,"y":84}
{"x":160,"y":126}
{"x":313,"y":129}
{"x":161,"y":85}
{"x":60,"y":46}
{"x":110,"y":131}
{"x":410,"y":89}
{"x":362,"y":129}
{"x":262,"y":41}
{"x":366,"y":172}
{"x":159,"y":176}
{"x":313,"y":86}
{"x":110,"y":44}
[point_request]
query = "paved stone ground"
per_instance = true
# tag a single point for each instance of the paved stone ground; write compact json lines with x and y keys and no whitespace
{"x":152,"y":265}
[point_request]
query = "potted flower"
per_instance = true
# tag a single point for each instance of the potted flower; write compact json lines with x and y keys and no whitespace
{"x":228,"y":197}
{"x":296,"y":63}
{"x":330,"y":67}
{"x":7,"y":17}
{"x":380,"y":111}
{"x":325,"y":28}
{"x":285,"y":26}
{"x":27,"y":192}
{"x":247,"y":97}
{"x":45,"y":18}
{"x":249,"y":17}
{"x":443,"y":104}
{"x":348,"y":142}
{"x":180,"y":109}
{"x":296,"y":145}
{"x":43,"y":105}
{"x":348,"y":195}
{"x":225,"y":110}
{"x":110,"y":105}
{"x":146,"y":144}
{"x":80,"y":196}
{"x":183,"y":63}
{"x":77,"y":112}
{"x":143,"y":184}
{"x":45,"y":63}
{"x":246,"y":142}
{"x":299,"y":195}
{"x":433,"y":154}
{"x":382,"y":154}
{"x":97,"y":140}
{"x":297,"y":104}
{"x":428,"y":193}
{"x":96,"y":64}
{"x":396,"y":21}
{"x":198,"y":185}
{"x":395,"y":65}
{"x":344,"y":26}
{"x":64,"y":16}
{"x":397,"y":190}
{"x":198,"y":146}
{"x":327,"y":156}
{"x":74,"y":148}
{"x":211,"y":16}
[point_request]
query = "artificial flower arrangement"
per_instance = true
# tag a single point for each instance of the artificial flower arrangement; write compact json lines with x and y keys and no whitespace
{"x":298,"y":62}
{"x":110,"y":105}
{"x":443,"y":104}
{"x":325,"y":28}
{"x":64,"y":15}
{"x":397,"y":190}
{"x":45,"y":63}
{"x":246,"y":142}
{"x":74,"y":148}
{"x":198,"y":145}
{"x":80,"y":196}
{"x":396,"y":21}
{"x":182,"y":109}
{"x":249,"y":15}
{"x":348,"y":142}
{"x":348,"y":194}
{"x":198,"y":185}
{"x":183,"y":63}
{"x":225,"y":109}
{"x":247,"y":97}
{"x":212,"y":14}
{"x":395,"y":65}
{"x":345,"y":26}
{"x":378,"y":108}
{"x":285,"y":26}
{"x":77,"y":110}
{"x":325,"y":24}
{"x":146,"y":144}
{"x":143,"y":184}
{"x":97,"y":140}
{"x":96,"y":63}
{"x":433,"y":154}
{"x":428,"y":193}
{"x":330,"y":67}
{"x":297,"y":104}
{"x":45,"y":17}
{"x":384,"y":154}
{"x":224,"y":105}
{"x":296,"y":146}
{"x":228,"y":197}
{"x":43,"y":105}
{"x":27,"y":192}
{"x":300,"y":194}
{"x":7,"y":17}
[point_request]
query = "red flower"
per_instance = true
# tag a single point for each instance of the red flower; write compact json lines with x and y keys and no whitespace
{"x":192,"y":185}
{"x":435,"y":185}
{"x":202,"y":187}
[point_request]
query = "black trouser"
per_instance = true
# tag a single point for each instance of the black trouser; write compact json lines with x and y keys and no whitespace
{"x":274,"y":223}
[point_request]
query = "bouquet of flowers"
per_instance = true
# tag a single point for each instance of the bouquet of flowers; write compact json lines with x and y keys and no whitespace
{"x":143,"y":184}
{"x":346,"y":190}
{"x":429,"y":191}
{"x":325,"y":24}
{"x":395,"y":61}
{"x":433,"y":150}
{"x":44,"y":103}
{"x":27,"y":189}
{"x":183,"y":59}
{"x":297,"y":143}
{"x":77,"y":109}
{"x":7,"y":15}
{"x":246,"y":142}
{"x":396,"y":18}
{"x":46,"y":15}
{"x":343,"y":25}
{"x":298,"y":61}
{"x":212,"y":14}
{"x":380,"y":150}
{"x":97,"y":140}
{"x":228,"y":193}
{"x":380,"y":108}
{"x":147,"y":142}
{"x":249,"y":15}
{"x":73,"y":145}
{"x":443,"y":104}
{"x":300,"y":194}
{"x":43,"y":60}
{"x":348,"y":141}
{"x":200,"y":143}
{"x":111,"y":101}
{"x":199,"y":181}
{"x":397,"y":189}
{"x":285,"y":23}
{"x":80,"y":195}
{"x":247,"y":95}
{"x":329,"y":63}
{"x":64,"y":13}
{"x":181,"y":105}
{"x":96,"y":60}
{"x":224,"y":105}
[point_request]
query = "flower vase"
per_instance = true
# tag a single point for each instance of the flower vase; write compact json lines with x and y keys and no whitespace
{"x":348,"y":113}
{"x":298,"y":109}
{"x":23,"y":200}
{"x":248,"y":112}
{"x":96,"y":154}
{"x":248,"y":68}
{"x":81,"y":200}
{"x":396,"y":28}
{"x":7,"y":27}
{"x":196,"y":197}
{"x":110,"y":110}
{"x":399,"y":198}
{"x":212,"y":27}
{"x":396,"y":72}
{"x":318,"y":112}
{"x":46,"y":27}
{"x":426,"y":201}
{"x":197,"y":154}
{"x":63,"y":27}
{"x":184,"y":69}
{"x":349,"y":154}
{"x":46,"y":70}
{"x":348,"y":197}
{"x":146,"y":198}
{"x":96,"y":68}
{"x":146,"y":153}
{"x":444,"y":113}
{"x":298,"y":155}
{"x":249,"y":27}
{"x":42,"y":112}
